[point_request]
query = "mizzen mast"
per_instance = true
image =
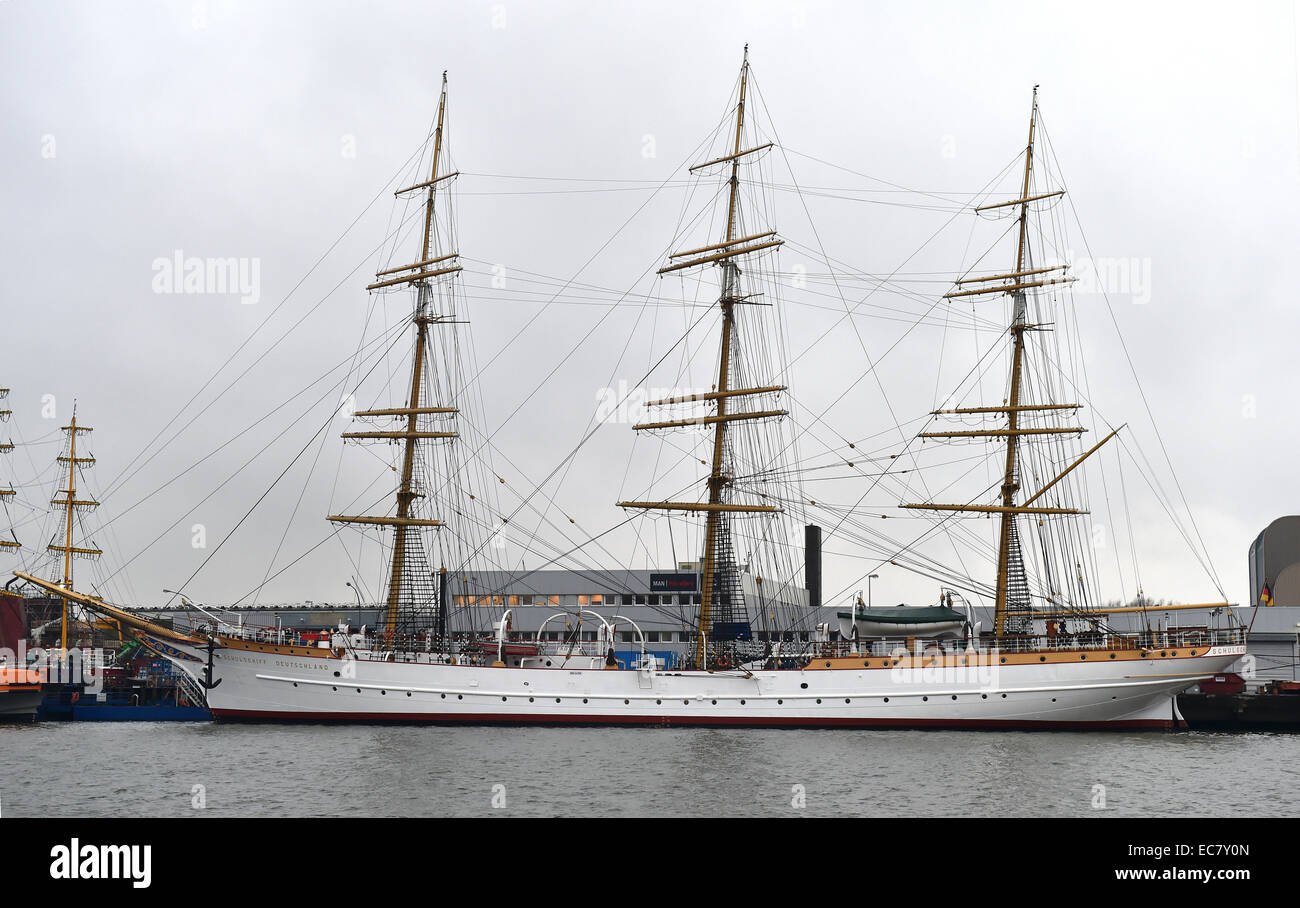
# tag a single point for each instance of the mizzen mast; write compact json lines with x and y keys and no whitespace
{"x":429,"y":265}
{"x":1012,"y":605}
{"x":720,"y":583}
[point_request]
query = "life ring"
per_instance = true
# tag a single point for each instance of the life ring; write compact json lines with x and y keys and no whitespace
{"x":722,"y":662}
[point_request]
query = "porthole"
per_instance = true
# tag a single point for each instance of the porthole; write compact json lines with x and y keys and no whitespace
{"x":358,"y":690}
{"x":584,"y":699}
{"x":742,"y":702}
{"x":659,"y":702}
{"x":715,"y":702}
{"x":408,"y":693}
{"x":886,"y":699}
{"x":384,"y":693}
{"x":828,"y":665}
{"x":804,"y":685}
{"x":984,"y":696}
{"x":925,"y":699}
{"x":847,"y":700}
{"x":337,"y":675}
{"x":627,"y":702}
{"x":867,"y":664}
{"x":1053,"y":699}
{"x":819,"y":699}
{"x":444,"y":696}
{"x":530,"y":699}
{"x":557,"y":699}
{"x":1083,"y":656}
{"x":334,"y":688}
{"x":503,"y":699}
{"x":1004,"y":696}
{"x":954,"y":696}
{"x":686,"y":702}
{"x":1042,"y":658}
{"x":1004,"y":659}
{"x":295,"y":684}
{"x":1112,"y":655}
{"x":779,"y":702}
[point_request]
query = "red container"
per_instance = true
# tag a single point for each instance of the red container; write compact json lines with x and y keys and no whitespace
{"x":1226,"y":683}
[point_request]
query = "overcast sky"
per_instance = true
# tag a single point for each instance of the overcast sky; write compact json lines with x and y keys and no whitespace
{"x":261,"y":131}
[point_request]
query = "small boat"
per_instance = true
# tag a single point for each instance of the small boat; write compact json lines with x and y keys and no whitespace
{"x":21,"y":692}
{"x":1225,"y":704}
{"x":903,"y":621}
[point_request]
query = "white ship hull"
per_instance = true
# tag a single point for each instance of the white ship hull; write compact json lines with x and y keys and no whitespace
{"x":1065,"y":690}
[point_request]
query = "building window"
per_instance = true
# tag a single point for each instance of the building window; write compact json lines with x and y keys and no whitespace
{"x":584,"y":599}
{"x":555,"y":600}
{"x":597,"y":599}
{"x":512,"y":600}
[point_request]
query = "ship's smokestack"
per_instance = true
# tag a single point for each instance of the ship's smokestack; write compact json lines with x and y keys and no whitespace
{"x":812,"y":563}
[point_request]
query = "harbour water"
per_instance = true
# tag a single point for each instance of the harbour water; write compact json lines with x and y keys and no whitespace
{"x":205,"y":769}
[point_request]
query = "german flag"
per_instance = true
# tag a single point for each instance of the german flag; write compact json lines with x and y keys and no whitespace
{"x":1266,"y":596}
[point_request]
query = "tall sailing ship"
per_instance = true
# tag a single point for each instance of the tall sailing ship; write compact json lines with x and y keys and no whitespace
{"x":1056,"y":666}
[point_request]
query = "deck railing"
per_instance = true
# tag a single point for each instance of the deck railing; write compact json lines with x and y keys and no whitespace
{"x":1146,"y":641}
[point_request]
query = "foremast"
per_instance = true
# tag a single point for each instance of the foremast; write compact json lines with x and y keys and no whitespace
{"x":429,"y":266}
{"x":720,"y":586}
{"x":1012,"y":605}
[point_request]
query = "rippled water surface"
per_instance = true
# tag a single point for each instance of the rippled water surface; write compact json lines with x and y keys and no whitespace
{"x":151,"y":769}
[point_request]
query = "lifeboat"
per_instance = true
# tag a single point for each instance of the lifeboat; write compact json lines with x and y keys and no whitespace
{"x":902,"y":621}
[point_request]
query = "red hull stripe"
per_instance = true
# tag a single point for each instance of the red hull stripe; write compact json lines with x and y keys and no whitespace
{"x":245,"y":715}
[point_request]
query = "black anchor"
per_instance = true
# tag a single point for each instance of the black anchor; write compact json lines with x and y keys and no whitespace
{"x":207,"y":681}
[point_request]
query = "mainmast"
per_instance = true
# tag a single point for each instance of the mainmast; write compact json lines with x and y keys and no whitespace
{"x":720,"y":586}
{"x":7,"y":545}
{"x":1012,"y":596}
{"x":429,"y":266}
{"x":67,"y":500}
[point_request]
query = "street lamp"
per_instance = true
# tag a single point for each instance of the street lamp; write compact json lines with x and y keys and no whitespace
{"x":869,"y":579}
